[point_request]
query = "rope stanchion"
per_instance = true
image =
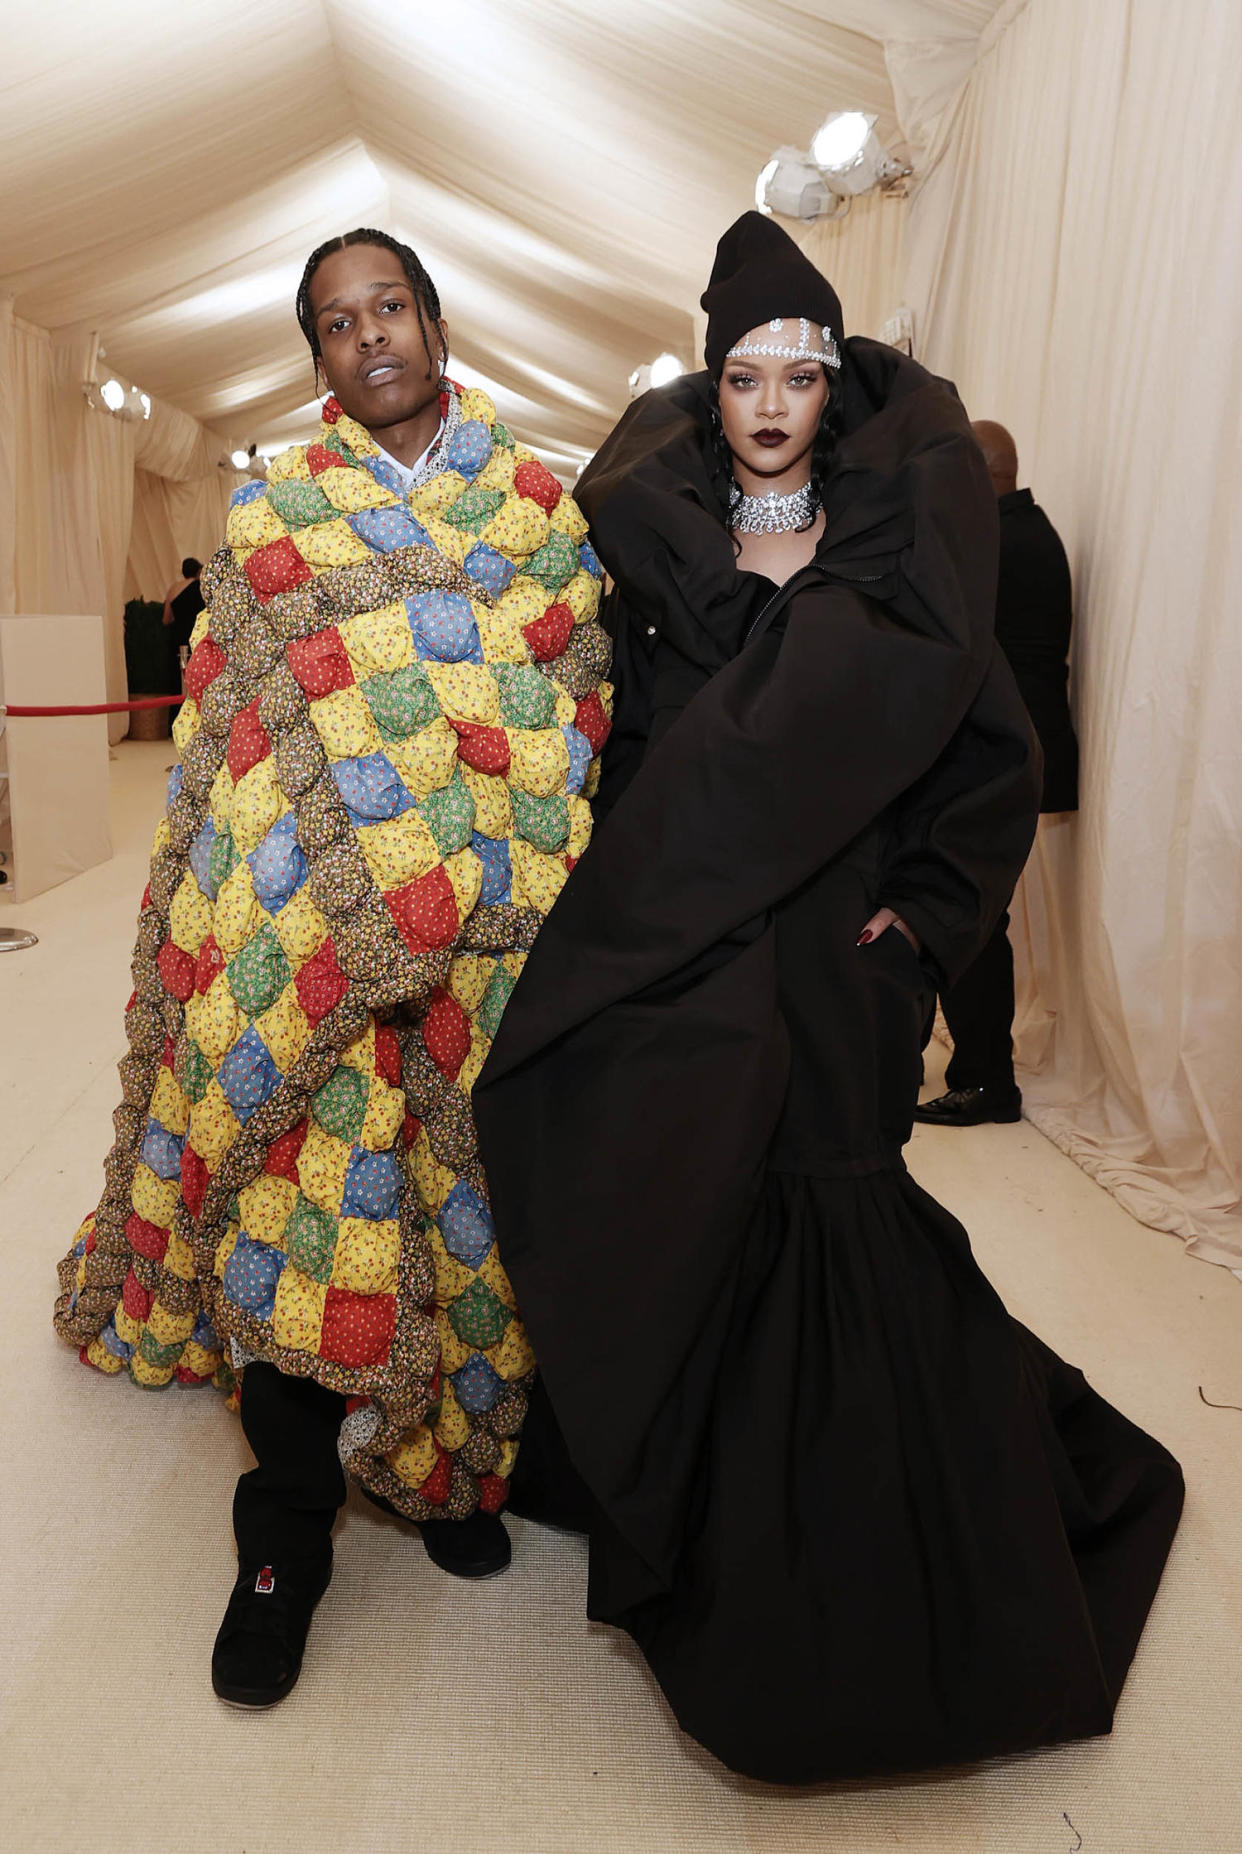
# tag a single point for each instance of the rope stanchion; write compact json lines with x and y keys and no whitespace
{"x":30,"y":711}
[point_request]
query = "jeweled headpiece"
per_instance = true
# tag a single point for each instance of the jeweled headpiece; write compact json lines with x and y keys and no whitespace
{"x":813,"y":343}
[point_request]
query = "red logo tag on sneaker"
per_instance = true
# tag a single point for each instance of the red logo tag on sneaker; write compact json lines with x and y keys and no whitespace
{"x":265,"y":1582}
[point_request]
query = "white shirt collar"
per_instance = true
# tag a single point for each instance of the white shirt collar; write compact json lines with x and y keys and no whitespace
{"x":407,"y":472}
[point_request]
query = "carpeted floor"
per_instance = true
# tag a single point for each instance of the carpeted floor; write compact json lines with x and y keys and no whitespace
{"x":436,"y":1716}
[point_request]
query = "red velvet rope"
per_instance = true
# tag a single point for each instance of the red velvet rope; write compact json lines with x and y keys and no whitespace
{"x":26,"y":711}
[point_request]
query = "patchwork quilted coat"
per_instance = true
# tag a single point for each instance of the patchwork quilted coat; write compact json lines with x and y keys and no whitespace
{"x":395,"y":710}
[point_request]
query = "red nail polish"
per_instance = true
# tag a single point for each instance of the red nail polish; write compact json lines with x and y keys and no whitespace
{"x":864,"y":936}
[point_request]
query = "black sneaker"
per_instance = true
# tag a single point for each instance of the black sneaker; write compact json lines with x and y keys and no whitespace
{"x":970,"y":1107}
{"x":474,"y":1547}
{"x":258,"y":1653}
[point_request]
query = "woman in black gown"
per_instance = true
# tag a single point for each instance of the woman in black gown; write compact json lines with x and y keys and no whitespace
{"x":856,"y":1517}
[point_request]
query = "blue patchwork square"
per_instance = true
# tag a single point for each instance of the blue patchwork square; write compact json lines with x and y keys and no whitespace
{"x":469,"y":449}
{"x":589,"y":561}
{"x":277,"y":865}
{"x":493,"y":853}
{"x":476,"y":1385}
{"x":466,"y":1225}
{"x":251,"y":1274}
{"x":200,"y":859}
{"x":372,"y":788}
{"x":384,"y":530}
{"x":385,"y":475}
{"x":161,"y":1150}
{"x":489,"y":569}
{"x":247,"y":492}
{"x":248,"y":1076}
{"x":444,"y":627}
{"x":372,"y":1185}
{"x":579,"y":757}
{"x":175,"y":778}
{"x":113,"y":1342}
{"x":205,"y":1334}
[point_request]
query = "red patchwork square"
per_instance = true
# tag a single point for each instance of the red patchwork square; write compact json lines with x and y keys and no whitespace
{"x":425,"y":911}
{"x":278,"y":567}
{"x":135,"y":1299}
{"x":194,"y":1177}
{"x":209,"y":965}
{"x":533,"y":480}
{"x":176,"y":969}
{"x":486,"y":749}
{"x":411,"y":1127}
{"x":388,"y":1055}
{"x":446,"y":1032}
{"x":493,"y":1492}
{"x":206,"y":661}
{"x":548,"y":636}
{"x":436,"y":1486}
{"x":591,"y":721}
{"x":145,"y":1238}
{"x":331,"y":410}
{"x":357,"y":1328}
{"x":320,"y":662}
{"x":282,"y":1154}
{"x":319,"y":459}
{"x":320,"y":984}
{"x":248,"y":741}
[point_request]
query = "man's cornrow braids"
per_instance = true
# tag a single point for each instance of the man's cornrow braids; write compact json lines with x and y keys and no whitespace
{"x":426,"y":297}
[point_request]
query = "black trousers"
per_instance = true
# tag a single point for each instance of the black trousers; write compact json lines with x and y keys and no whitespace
{"x":979,"y":1013}
{"x":284,"y":1507}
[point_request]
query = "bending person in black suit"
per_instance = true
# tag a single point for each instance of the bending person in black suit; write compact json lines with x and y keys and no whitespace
{"x":1033,"y":619}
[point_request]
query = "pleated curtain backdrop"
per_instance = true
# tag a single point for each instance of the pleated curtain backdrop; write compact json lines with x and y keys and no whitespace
{"x":1074,"y":264}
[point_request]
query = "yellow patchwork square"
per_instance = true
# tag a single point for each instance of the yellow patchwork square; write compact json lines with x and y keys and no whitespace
{"x":179,"y":1258}
{"x":538,"y":760}
{"x":345,"y":725}
{"x":360,"y":1054}
{"x":200,"y":627}
{"x":321,"y":1167}
{"x":581,"y":595}
{"x":213,"y":1126}
{"x":468,"y":1074}
{"x":452,"y":1276}
{"x":517,"y":529}
{"x":155,"y":1199}
{"x":238,"y":915}
{"x":537,"y":879}
{"x":379,"y":640}
{"x":189,"y":914}
{"x":513,"y":1357}
{"x":437,"y":496}
{"x":452,"y":1428}
{"x":152,"y":1376}
{"x":453,"y":1354}
{"x":351,"y":490}
{"x":257,"y":803}
{"x":465,"y":871}
{"x":414,"y":1457}
{"x":169,"y":1328}
{"x":476,"y":404}
{"x":332,"y":544}
{"x":200,"y":1362}
{"x":492,"y":1271}
{"x":501,"y":638}
{"x":102,"y":1359}
{"x":300,"y":928}
{"x":507,"y":1458}
{"x":566,"y":708}
{"x":127,"y":1327}
{"x":382,"y":1121}
{"x":467,"y":691}
{"x":446,"y":539}
{"x":168,"y":1104}
{"x":224,"y":1249}
{"x":568,"y":517}
{"x":579,"y":826}
{"x":432,"y":1180}
{"x":398,"y":850}
{"x":493,"y":807}
{"x":253,"y":524}
{"x":366,"y":1256}
{"x":525,"y":601}
{"x":160,"y":837}
{"x":426,"y":760}
{"x":266,"y":1206}
{"x":290,"y":466}
{"x":297,"y":1316}
{"x":214,"y":1021}
{"x":469,"y":977}
{"x":497,"y":472}
{"x":220,"y":798}
{"x":284,"y":1029}
{"x":185,"y":727}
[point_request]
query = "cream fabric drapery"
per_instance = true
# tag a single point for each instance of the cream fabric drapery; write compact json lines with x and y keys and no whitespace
{"x":863,"y":255}
{"x":1073,"y":264}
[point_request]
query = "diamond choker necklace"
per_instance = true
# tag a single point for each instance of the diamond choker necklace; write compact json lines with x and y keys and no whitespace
{"x":774,"y":514}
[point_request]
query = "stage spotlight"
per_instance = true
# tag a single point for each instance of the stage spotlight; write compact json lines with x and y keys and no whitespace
{"x":665,"y":367}
{"x":240,"y":459}
{"x":792,"y":185}
{"x":144,"y":399}
{"x":851,"y":156}
{"x":113,"y":395}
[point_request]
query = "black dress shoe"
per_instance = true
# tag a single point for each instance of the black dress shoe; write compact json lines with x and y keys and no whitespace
{"x":474,"y":1547}
{"x":970,"y":1107}
{"x":258,"y":1653}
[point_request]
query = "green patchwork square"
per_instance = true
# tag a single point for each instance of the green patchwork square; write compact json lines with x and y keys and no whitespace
{"x":159,"y":1355}
{"x":502,"y":437}
{"x":338,"y":446}
{"x":527,"y":698}
{"x":340,"y":1106}
{"x":478,"y":1316}
{"x":223,"y":859}
{"x":299,"y":504}
{"x":474,"y":508}
{"x":310,"y":1240}
{"x":555,"y":563}
{"x":192,"y":1069}
{"x":499,"y":990}
{"x":259,"y":973}
{"x":449,"y":815}
{"x":542,"y":821}
{"x":401,"y":700}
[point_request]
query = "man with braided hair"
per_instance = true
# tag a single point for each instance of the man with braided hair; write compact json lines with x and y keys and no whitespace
{"x":394,"y":713}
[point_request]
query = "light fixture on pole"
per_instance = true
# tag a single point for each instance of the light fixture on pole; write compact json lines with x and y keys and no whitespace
{"x":846,"y":158}
{"x":792,"y":185}
{"x":659,"y":372}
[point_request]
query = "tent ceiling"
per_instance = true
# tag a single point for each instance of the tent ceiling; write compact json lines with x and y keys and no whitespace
{"x":564,"y":168}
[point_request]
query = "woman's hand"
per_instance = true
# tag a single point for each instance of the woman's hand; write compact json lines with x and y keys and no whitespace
{"x":882,"y":920}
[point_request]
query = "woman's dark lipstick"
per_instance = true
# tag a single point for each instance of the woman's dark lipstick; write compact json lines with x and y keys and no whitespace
{"x":770,"y":439}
